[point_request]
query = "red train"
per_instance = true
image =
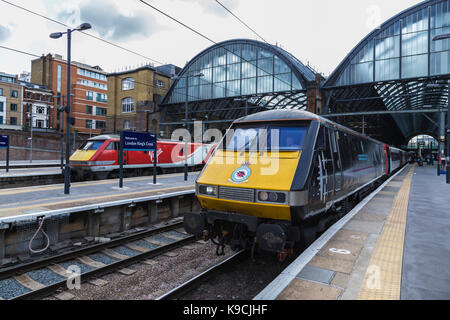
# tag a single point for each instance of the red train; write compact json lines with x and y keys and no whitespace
{"x":98,"y":158}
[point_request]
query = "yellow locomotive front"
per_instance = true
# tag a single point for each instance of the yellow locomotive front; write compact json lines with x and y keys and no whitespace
{"x":246,"y":187}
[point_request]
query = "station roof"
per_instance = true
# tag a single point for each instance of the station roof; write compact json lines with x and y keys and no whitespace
{"x":230,"y":75}
{"x":396,"y":68}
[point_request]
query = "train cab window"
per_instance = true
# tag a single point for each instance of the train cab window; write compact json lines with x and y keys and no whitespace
{"x":289,"y":138}
{"x":113,"y":146}
{"x":243,"y":139}
{"x":267,"y":137}
{"x":92,"y":145}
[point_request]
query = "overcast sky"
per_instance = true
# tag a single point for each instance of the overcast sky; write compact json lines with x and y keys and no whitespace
{"x":319,"y":32}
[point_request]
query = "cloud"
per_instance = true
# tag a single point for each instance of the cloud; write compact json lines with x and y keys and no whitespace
{"x":5,"y":33}
{"x":106,"y":19}
{"x":211,"y":6}
{"x":215,"y":8}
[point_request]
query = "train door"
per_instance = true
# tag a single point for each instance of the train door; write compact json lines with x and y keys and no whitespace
{"x":326,"y":165}
{"x":111,"y":151}
{"x":334,"y":136}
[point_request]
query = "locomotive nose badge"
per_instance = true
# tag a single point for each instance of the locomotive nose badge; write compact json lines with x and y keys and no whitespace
{"x":241,"y":175}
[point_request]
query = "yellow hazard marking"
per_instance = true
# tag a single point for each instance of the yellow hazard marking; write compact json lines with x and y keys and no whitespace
{"x":384,"y":274}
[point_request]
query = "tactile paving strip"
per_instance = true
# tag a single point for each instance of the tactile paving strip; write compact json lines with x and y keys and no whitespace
{"x":383,"y":276}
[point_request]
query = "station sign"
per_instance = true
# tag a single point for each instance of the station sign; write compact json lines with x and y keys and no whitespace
{"x":4,"y":141}
{"x":139,"y":141}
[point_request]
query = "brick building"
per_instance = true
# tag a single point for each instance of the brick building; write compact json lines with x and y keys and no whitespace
{"x":135,"y":95}
{"x":37,"y":104}
{"x":88,"y":92}
{"x":10,"y":102}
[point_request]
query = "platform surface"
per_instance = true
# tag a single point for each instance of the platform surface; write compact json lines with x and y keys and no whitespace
{"x":392,"y":246}
{"x":28,"y":164}
{"x":32,"y":200}
{"x":30,"y":172}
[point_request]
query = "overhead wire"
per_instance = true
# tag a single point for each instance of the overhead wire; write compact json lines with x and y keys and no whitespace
{"x":88,"y":34}
{"x":209,"y":39}
{"x":241,"y":21}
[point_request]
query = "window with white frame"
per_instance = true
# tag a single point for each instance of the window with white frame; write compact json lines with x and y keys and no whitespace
{"x":127,"y":105}
{"x":128,"y":84}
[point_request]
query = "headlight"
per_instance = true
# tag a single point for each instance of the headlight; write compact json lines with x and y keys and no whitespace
{"x":272,"y":197}
{"x":207,"y":190}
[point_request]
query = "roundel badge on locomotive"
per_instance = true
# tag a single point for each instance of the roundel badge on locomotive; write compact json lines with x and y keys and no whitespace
{"x":241,"y":175}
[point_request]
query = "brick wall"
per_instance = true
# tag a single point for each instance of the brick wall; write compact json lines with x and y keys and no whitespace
{"x":46,"y":146}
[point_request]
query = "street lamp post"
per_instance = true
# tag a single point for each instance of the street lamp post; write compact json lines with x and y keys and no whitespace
{"x":437,"y":38}
{"x":57,"y":35}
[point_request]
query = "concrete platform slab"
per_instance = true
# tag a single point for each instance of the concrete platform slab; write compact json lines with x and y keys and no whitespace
{"x":365,"y":226}
{"x":300,"y":289}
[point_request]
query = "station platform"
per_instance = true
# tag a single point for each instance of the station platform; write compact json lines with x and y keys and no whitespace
{"x":15,"y":172}
{"x":392,"y":246}
{"x":28,"y":202}
{"x":14,"y":164}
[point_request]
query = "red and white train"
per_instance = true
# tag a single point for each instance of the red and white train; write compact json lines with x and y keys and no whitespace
{"x":98,"y":158}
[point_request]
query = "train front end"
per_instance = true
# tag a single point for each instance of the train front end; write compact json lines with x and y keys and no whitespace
{"x":96,"y":156}
{"x":246,"y":189}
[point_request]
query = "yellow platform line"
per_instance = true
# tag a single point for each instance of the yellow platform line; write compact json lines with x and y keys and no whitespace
{"x":383,"y":276}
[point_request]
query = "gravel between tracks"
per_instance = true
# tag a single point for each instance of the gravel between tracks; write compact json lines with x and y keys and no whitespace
{"x":151,"y":281}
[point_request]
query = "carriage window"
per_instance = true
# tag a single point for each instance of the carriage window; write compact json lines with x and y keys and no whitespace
{"x":92,"y":145}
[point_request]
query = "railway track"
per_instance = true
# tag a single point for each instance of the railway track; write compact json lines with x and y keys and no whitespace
{"x":193,"y":283}
{"x":41,"y":278}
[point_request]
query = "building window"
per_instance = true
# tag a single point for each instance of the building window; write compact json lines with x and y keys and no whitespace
{"x":89,"y":124}
{"x":14,"y":107}
{"x":88,"y":109}
{"x":59,"y":79}
{"x":128,"y":84}
{"x":100,"y":124}
{"x":102,"y":97}
{"x":126,"y":125}
{"x":100,"y":111}
{"x":40,"y":110}
{"x":13,"y":121}
{"x":127,"y":105}
{"x":89,"y":95}
{"x":1,"y":107}
{"x":1,"y":119}
{"x":160,"y":84}
{"x":1,"y":91}
{"x":14,"y":94}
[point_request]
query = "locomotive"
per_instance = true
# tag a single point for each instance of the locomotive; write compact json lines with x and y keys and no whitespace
{"x":280,"y":177}
{"x":98,"y":157}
